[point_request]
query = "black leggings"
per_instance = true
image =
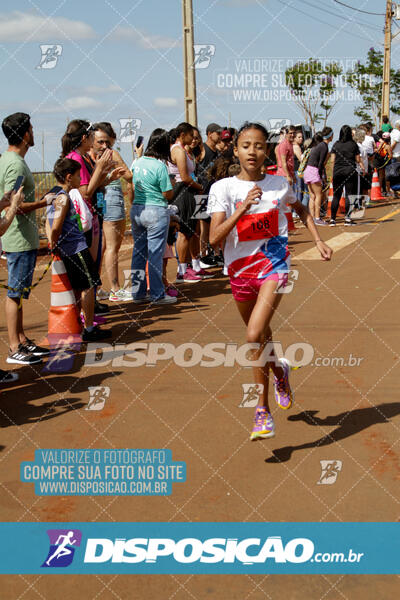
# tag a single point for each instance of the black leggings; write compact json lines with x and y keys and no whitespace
{"x":350,"y":182}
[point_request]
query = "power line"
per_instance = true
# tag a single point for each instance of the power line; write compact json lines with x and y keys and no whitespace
{"x":359,"y":9}
{"x":361,"y":37}
{"x":341,"y":16}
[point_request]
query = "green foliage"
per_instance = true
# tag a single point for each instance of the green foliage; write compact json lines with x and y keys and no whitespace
{"x":367,"y":79}
{"x":313,"y":85}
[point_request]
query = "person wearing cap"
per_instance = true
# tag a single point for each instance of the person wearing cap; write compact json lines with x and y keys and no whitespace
{"x":225,"y":146}
{"x":213,"y":132}
{"x":395,"y":140}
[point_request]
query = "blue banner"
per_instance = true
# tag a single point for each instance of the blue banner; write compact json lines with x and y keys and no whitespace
{"x":200,"y":548}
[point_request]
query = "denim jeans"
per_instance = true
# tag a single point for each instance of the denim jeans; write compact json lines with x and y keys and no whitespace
{"x":149,"y":230}
{"x":300,"y":190}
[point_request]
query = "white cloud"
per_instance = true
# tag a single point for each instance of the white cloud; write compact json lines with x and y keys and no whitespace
{"x":144,"y":39}
{"x":166,"y":102}
{"x":20,"y":27}
{"x":79,"y":102}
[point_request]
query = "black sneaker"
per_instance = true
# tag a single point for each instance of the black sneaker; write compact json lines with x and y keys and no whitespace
{"x":22,"y":357}
{"x":32,"y":348}
{"x":8,"y":376}
{"x":96,"y":334}
{"x":206,"y":262}
{"x":100,"y":308}
{"x":219,"y":259}
{"x":349,"y":223}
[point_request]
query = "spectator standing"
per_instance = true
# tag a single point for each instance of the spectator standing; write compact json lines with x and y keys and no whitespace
{"x":285,"y":155}
{"x":21,"y":240}
{"x":182,"y":167}
{"x":345,"y":156}
{"x":213,"y":133}
{"x":69,"y":243}
{"x":314,"y":174}
{"x":113,"y":214}
{"x":150,"y":217}
{"x":395,"y":140}
{"x":386,"y":126}
{"x":298,"y":150}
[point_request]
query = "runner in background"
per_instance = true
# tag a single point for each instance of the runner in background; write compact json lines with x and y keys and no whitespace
{"x":248,"y":214}
{"x":314,"y":174}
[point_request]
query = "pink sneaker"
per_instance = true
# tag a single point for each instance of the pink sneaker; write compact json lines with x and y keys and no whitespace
{"x":283,"y":393}
{"x":97,"y":320}
{"x":171,"y":292}
{"x":204,"y":275}
{"x":191,"y":276}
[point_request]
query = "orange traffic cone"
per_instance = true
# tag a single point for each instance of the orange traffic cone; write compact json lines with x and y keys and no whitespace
{"x":147,"y":276}
{"x":330,"y":198}
{"x":342,"y":204}
{"x":376,"y":192}
{"x":63,"y":314}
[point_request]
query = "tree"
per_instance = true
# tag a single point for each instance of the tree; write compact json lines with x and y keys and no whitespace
{"x":367,"y":80}
{"x":312,"y":85}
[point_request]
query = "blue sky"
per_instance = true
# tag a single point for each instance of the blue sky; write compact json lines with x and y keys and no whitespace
{"x":123,"y":59}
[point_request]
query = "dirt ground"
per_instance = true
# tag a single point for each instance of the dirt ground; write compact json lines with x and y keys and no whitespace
{"x":341,"y":413}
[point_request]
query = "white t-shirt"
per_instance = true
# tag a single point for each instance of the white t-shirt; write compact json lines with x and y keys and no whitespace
{"x":395,"y":137}
{"x":364,"y":157}
{"x":368,"y":144}
{"x":257,"y":245}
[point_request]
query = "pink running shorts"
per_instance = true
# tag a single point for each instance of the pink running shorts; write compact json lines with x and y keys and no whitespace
{"x":245,"y":289}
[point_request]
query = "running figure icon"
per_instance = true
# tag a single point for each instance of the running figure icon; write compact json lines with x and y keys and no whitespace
{"x":62,"y":549}
{"x":63,"y":543}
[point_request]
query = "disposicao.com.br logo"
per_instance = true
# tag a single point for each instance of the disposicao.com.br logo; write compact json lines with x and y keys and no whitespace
{"x":165,"y":554}
{"x":247,"y":551}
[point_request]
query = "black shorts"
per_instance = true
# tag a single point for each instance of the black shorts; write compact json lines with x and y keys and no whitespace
{"x":81,"y":270}
{"x":185,"y":201}
{"x":89,"y":237}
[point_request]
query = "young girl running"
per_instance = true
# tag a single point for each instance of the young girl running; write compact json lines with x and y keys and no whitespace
{"x":248,"y":213}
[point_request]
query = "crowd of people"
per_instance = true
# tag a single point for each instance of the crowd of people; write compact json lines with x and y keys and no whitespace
{"x":208,"y":203}
{"x":351,"y":163}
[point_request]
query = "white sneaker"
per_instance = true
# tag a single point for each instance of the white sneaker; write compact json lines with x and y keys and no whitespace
{"x":118,"y":296}
{"x":102,"y":294}
{"x":126,"y":294}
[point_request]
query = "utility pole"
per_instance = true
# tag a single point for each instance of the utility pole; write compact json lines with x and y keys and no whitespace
{"x":43,"y":151}
{"x":385,"y":106}
{"x":188,"y":63}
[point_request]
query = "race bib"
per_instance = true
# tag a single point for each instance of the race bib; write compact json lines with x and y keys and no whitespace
{"x":258,"y":227}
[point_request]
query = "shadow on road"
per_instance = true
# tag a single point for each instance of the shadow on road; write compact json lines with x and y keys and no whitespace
{"x":17,"y":408}
{"x":348,"y":423}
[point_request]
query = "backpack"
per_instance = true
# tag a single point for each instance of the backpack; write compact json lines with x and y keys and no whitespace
{"x":303,"y":162}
